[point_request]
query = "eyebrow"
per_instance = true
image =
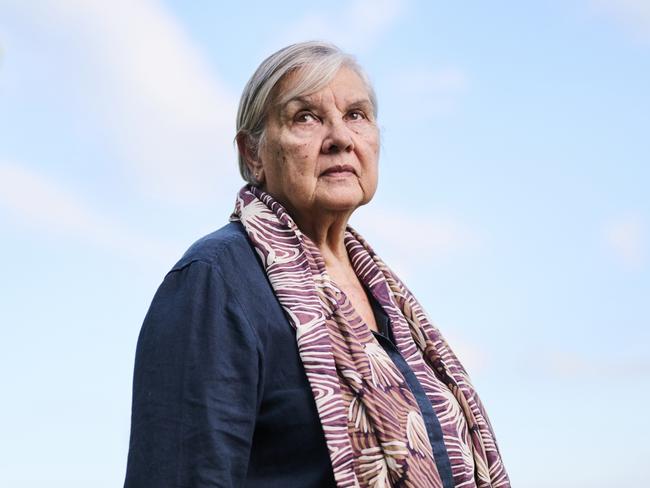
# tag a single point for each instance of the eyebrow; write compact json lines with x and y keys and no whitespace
{"x":360,"y":102}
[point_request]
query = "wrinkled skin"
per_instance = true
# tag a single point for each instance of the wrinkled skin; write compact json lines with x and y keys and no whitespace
{"x":319,"y":154}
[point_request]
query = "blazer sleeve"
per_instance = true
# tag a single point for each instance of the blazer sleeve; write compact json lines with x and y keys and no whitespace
{"x":196,"y":386}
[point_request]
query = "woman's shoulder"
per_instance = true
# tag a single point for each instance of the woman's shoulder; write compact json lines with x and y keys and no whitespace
{"x":222,"y":269}
{"x":221,"y":248}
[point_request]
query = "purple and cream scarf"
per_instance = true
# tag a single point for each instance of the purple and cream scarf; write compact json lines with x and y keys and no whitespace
{"x":373,"y":427}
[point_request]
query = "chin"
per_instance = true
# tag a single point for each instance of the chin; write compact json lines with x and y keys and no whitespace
{"x":343,"y":203}
{"x":344,"y":198}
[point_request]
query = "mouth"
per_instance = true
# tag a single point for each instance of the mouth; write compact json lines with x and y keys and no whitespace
{"x":339,"y":170}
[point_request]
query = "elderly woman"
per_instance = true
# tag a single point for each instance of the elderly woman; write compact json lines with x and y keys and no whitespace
{"x":280,"y":351}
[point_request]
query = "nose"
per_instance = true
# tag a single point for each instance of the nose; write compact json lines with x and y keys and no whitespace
{"x":338,"y":138}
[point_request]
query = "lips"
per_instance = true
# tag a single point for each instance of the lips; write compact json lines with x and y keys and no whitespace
{"x":339,"y":170}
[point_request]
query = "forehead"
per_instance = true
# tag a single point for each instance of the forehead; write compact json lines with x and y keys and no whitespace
{"x":346,"y":83}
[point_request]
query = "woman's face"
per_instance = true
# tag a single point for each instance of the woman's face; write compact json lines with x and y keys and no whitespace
{"x":320,"y":151}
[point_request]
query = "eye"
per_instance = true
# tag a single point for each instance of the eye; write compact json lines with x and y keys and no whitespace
{"x":355,"y":115}
{"x":305,"y":118}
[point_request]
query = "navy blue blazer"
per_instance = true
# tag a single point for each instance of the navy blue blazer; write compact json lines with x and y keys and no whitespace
{"x":220,"y":396}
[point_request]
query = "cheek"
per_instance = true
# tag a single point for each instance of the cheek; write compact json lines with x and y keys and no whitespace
{"x":300,"y":158}
{"x":280,"y":158}
{"x":369,"y":135}
{"x":371,"y":146}
{"x":302,"y":154}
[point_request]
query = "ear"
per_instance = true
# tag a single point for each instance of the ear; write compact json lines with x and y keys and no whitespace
{"x":248,"y":152}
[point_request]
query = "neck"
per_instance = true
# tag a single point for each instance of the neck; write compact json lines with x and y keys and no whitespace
{"x":327,"y":231}
{"x":325,"y":228}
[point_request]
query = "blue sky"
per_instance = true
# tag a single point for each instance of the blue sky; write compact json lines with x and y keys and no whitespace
{"x":513,"y":200}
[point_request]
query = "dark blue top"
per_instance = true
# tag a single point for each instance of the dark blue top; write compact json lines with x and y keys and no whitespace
{"x":220,"y":396}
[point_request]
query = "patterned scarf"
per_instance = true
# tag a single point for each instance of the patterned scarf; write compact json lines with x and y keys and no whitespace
{"x":373,"y":428}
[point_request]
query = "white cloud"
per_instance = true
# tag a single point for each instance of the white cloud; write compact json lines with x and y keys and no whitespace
{"x":472,"y":356}
{"x":633,"y":14}
{"x":627,"y":237}
{"x":436,"y":91}
{"x":407,"y":239}
{"x":429,"y":234}
{"x":356,"y":27}
{"x":40,"y":202}
{"x":149,"y":87}
{"x":570,"y":364}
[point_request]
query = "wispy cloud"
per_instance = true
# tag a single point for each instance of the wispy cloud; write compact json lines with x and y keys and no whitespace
{"x":440,"y":235}
{"x":474,"y":358}
{"x":570,"y":364}
{"x":437,"y":91}
{"x":627,"y":237}
{"x":408,"y":239}
{"x":633,"y":14}
{"x":150,"y":88}
{"x":40,"y":202}
{"x":355,"y":28}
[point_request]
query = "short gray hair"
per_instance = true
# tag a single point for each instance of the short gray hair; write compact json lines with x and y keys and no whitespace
{"x":318,"y":63}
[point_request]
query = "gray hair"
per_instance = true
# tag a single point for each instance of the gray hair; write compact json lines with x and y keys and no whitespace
{"x":317,"y":63}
